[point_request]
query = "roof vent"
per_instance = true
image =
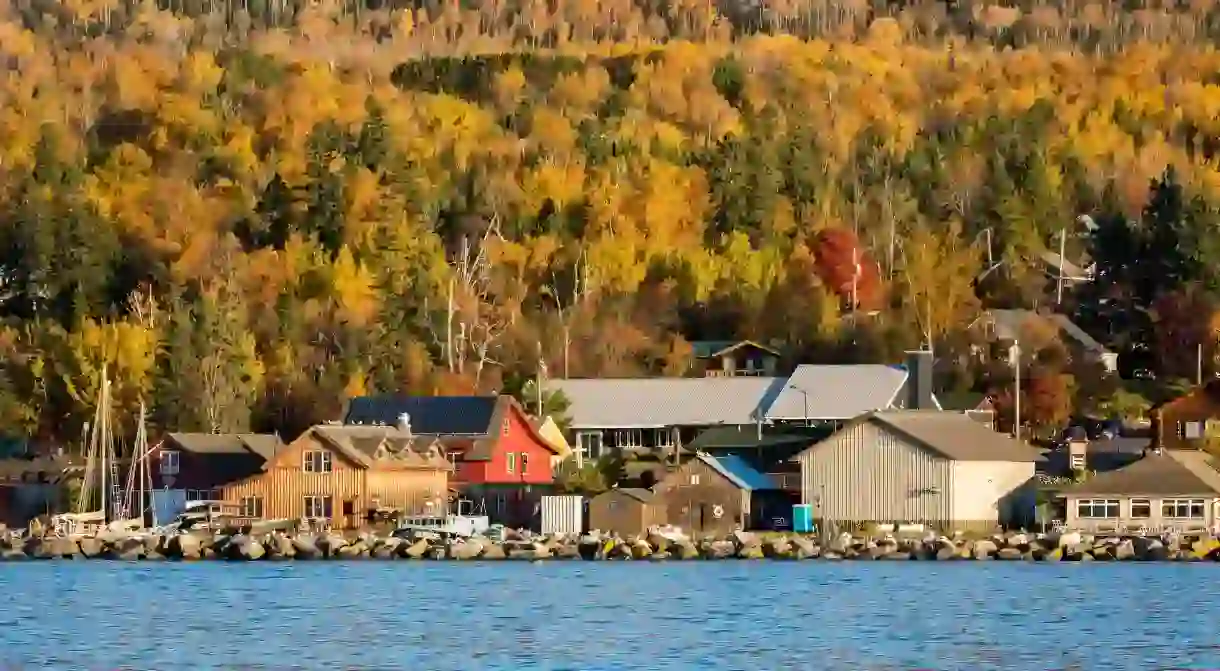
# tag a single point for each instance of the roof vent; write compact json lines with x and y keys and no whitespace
{"x":404,"y":423}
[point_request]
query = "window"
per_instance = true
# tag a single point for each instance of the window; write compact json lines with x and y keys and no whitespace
{"x":525,"y":463}
{"x":204,"y":495}
{"x":169,"y":462}
{"x":504,"y":428}
{"x":318,"y":461}
{"x":591,"y":444}
{"x":665,"y":438}
{"x":1141,"y":509}
{"x":1077,"y":462}
{"x":1097,"y":508}
{"x":1190,"y":430}
{"x":1182,"y":509}
{"x":317,"y":507}
{"x":251,"y":506}
{"x":512,"y":462}
{"x":694,"y":479}
{"x":349,"y":507}
{"x":629,"y":437}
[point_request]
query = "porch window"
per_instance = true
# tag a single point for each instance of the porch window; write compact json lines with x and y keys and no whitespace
{"x":169,"y":462}
{"x":629,"y":438}
{"x":318,"y":507}
{"x":1182,"y":509}
{"x":1097,"y":508}
{"x":512,"y":462}
{"x":318,"y":461}
{"x":1141,"y":509}
{"x":665,"y":438}
{"x":252,"y":506}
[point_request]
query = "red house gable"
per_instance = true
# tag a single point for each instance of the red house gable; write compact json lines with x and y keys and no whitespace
{"x":490,"y":438}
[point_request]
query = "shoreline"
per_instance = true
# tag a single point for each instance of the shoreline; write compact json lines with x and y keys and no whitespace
{"x":596,"y":547}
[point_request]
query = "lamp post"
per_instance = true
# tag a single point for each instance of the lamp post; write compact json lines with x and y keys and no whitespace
{"x":1016,"y":362}
{"x":805,"y":398}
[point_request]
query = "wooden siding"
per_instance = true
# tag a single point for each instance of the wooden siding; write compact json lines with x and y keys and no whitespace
{"x":863,"y":474}
{"x":616,"y":512}
{"x":1200,"y":405}
{"x":408,"y":490}
{"x":694,"y":490}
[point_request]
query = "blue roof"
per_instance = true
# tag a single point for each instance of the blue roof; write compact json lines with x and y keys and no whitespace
{"x":740,"y":472}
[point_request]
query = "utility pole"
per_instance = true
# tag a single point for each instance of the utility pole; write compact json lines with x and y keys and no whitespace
{"x":1016,"y":355}
{"x":1199,"y":365}
{"x":1062,"y":251}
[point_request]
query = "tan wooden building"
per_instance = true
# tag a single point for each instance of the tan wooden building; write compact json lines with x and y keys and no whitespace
{"x":334,"y":474}
{"x":626,"y":511}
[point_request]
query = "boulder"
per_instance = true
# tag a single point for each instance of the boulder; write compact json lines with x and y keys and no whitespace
{"x":385,"y":548}
{"x":1009,"y":554}
{"x":1148,"y":549}
{"x":34,"y":548}
{"x":1204,"y":547}
{"x":719,"y":550}
{"x":841,"y":543}
{"x":330,"y":545}
{"x":661,"y":555}
{"x":590,"y":547}
{"x":493,"y":551}
{"x":279,"y":546}
{"x":750,"y":552}
{"x":685,"y":550}
{"x":356,"y":550}
{"x":1069,"y":539}
{"x":745,"y":539}
{"x":984,"y":549}
{"x":466,"y":549}
{"x":1124,"y":551}
{"x":61,"y":548}
{"x":305,"y":547}
{"x":564,"y":550}
{"x":658,"y":542}
{"x":804,"y":548}
{"x":127,"y":549}
{"x":778,"y":547}
{"x":181,"y":546}
{"x":641,"y":549}
{"x":416,"y":550}
{"x":244,"y":548}
{"x":1018,"y":540}
{"x":91,"y":548}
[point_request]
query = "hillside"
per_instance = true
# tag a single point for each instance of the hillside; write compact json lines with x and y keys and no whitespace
{"x":257,"y":210}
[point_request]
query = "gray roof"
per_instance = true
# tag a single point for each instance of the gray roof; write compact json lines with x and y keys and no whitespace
{"x":607,"y":403}
{"x":1008,"y":325}
{"x":1171,"y":473}
{"x":837,"y":392}
{"x":954,"y":436}
{"x":264,"y":445}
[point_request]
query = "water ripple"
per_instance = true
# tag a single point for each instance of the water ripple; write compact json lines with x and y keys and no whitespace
{"x":611,"y":617}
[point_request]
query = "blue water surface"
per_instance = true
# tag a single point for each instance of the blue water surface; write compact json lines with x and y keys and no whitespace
{"x":747,"y":616}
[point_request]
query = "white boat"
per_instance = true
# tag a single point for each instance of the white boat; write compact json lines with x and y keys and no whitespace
{"x":450,"y":524}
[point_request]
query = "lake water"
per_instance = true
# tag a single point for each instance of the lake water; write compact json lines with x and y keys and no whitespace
{"x":609,"y":616}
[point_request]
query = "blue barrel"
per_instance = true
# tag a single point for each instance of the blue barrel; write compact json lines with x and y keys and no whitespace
{"x":802,"y":518}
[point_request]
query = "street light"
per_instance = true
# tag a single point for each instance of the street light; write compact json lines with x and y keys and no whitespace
{"x":804,"y":394}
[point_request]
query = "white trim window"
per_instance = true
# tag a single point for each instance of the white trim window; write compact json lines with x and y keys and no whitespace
{"x":318,"y":507}
{"x":1183,"y":509}
{"x":664,"y":437}
{"x":511,"y":466}
{"x":317,"y":461}
{"x":1098,"y":509}
{"x":1141,"y":509}
{"x":171,"y":462}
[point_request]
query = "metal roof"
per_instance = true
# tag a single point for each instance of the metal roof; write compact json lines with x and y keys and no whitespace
{"x":837,"y":392}
{"x":433,"y":415}
{"x":739,"y":472}
{"x":629,"y":403}
{"x":955,"y":436}
{"x":1171,"y":473}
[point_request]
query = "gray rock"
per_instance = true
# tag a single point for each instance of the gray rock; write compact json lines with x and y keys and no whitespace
{"x":1009,"y":554}
{"x":279,"y":546}
{"x":804,"y":548}
{"x":984,"y":549}
{"x":182,"y":546}
{"x":356,"y":550}
{"x":778,"y":547}
{"x":416,"y":550}
{"x":91,"y":548}
{"x":686,"y":550}
{"x":330,"y":544}
{"x":386,"y":548}
{"x":493,"y":551}
{"x":305,"y":547}
{"x":719,"y":550}
{"x":1124,"y":551}
{"x":465,"y":550}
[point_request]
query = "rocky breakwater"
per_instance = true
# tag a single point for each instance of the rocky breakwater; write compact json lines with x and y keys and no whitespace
{"x":603,"y":547}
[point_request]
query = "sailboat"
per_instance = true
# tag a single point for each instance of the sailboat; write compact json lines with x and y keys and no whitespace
{"x":95,"y":513}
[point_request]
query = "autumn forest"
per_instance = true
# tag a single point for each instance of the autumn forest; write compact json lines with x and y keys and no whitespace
{"x":250,"y":211}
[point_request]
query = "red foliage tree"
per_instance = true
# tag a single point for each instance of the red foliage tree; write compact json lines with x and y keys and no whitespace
{"x":1183,"y":320}
{"x":846,"y":268}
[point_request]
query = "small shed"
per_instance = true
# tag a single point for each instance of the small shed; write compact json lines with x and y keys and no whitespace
{"x":718,"y":494}
{"x":626,"y":511}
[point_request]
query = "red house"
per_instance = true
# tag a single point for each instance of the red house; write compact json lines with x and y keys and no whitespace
{"x":500,"y":460}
